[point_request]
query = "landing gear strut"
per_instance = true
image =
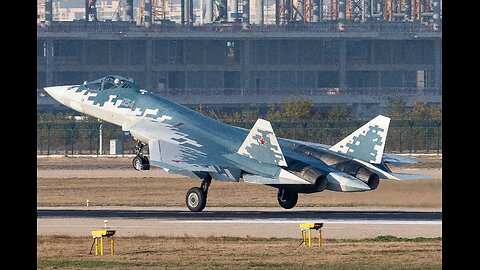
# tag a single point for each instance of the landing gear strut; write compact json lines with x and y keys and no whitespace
{"x":140,"y":162}
{"x":197,"y":196}
{"x":287,"y":198}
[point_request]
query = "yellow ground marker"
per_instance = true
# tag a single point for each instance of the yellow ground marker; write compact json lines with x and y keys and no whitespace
{"x":100,"y":234}
{"x":309,"y":227}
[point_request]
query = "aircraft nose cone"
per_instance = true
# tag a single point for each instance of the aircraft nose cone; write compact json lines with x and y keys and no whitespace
{"x":56,"y":92}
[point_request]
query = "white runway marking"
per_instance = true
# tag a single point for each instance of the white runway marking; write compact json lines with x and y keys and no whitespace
{"x":262,"y":221}
{"x":330,"y":221}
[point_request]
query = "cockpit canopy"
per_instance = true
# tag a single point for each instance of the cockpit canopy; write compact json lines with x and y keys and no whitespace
{"x":110,"y":82}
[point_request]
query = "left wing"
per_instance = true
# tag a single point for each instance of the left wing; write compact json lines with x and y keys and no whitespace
{"x":178,"y":156}
{"x":179,"y":148}
{"x":175,"y":149}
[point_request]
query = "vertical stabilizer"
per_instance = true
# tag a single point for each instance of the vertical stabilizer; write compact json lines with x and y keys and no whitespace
{"x":262,"y":145}
{"x":366,"y":143}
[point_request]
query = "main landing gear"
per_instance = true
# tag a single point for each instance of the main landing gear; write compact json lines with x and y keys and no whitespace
{"x":140,"y":162}
{"x":287,"y":198}
{"x":197,"y":196}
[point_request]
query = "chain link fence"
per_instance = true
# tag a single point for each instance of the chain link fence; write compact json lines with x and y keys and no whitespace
{"x":83,"y":138}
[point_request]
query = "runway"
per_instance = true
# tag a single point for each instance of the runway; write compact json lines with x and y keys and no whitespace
{"x":269,"y":222}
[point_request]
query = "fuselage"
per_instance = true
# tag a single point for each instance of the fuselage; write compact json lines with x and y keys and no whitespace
{"x":122,"y":106}
{"x":121,"y":102}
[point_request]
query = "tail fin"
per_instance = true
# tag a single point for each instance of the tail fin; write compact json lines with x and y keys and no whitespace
{"x":366,"y":143}
{"x":262,"y":145}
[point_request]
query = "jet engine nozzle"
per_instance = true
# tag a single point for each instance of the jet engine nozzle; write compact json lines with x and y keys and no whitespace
{"x":309,"y":174}
{"x":342,"y":164}
{"x":368,"y":177}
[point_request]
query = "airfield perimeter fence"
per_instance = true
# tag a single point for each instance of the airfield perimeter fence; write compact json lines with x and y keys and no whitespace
{"x":83,"y":138}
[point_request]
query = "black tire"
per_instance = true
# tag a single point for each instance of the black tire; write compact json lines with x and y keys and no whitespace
{"x":196,"y":199}
{"x":289,"y":198}
{"x":146,"y":163}
{"x":137,"y":163}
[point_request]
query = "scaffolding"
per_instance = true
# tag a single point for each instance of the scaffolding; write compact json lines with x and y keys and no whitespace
{"x":284,"y":11}
{"x":159,"y":10}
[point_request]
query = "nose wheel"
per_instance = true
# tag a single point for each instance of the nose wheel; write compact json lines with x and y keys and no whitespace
{"x":196,"y":197}
{"x":140,"y":162}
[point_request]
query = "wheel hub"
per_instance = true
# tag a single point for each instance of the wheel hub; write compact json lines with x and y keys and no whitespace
{"x":283,"y":197}
{"x":193,"y":200}
{"x":138,"y":164}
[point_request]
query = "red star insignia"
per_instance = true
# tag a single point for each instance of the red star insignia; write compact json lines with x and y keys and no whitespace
{"x":262,"y":141}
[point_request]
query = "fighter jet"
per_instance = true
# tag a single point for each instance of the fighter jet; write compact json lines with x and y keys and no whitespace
{"x":183,"y":141}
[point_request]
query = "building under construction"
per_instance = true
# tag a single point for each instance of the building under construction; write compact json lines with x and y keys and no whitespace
{"x":252,"y":52}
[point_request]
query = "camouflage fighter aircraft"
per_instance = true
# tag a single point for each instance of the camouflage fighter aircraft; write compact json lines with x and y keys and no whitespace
{"x":183,"y":141}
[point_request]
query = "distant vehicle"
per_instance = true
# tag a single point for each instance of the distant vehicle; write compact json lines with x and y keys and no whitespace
{"x":332,"y":91}
{"x":41,"y":93}
{"x":182,"y":141}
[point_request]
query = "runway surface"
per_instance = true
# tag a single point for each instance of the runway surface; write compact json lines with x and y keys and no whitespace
{"x":436,"y":173}
{"x":358,"y":222}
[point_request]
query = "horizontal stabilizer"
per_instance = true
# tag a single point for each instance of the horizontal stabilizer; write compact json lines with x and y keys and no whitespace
{"x":396,"y":160}
{"x":366,"y":143}
{"x":406,"y":177}
{"x":262,"y":145}
{"x":391,"y":175}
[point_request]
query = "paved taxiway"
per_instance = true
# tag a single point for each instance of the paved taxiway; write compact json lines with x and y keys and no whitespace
{"x":359,"y":222}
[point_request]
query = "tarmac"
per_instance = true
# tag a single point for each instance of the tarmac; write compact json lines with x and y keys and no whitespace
{"x":159,"y":173}
{"x":265,"y":222}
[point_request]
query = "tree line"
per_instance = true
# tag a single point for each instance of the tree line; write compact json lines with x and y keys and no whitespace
{"x":295,"y":110}
{"x":302,"y":110}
